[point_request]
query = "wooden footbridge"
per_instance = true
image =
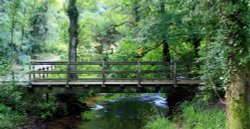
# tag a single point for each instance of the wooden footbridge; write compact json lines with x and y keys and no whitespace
{"x":108,"y":74}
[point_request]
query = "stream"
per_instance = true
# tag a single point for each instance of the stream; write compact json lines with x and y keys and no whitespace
{"x":123,"y":113}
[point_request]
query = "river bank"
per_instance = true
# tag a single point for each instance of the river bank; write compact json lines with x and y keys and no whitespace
{"x":111,"y":114}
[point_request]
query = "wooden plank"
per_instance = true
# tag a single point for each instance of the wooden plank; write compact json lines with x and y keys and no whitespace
{"x":122,"y":79}
{"x":105,"y":71}
{"x":188,"y":63}
{"x":139,"y":74}
{"x":151,"y":79}
{"x":48,"y":79}
{"x":65,"y":79}
{"x":82,"y":72}
{"x":68,"y":75}
{"x":111,"y":71}
{"x":48,"y":63}
{"x":135,"y":63}
{"x":29,"y":72}
{"x":114,"y":63}
{"x":121,"y":71}
{"x":154,"y":71}
{"x":48,"y":72}
{"x":86,"y":63}
{"x":110,"y":79}
{"x":100,"y":63}
{"x":156,"y":63}
{"x":121,"y":63}
{"x":166,"y":82}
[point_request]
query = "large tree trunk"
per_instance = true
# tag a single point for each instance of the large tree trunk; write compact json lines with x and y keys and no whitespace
{"x":248,"y":78}
{"x":237,"y":101}
{"x":12,"y":34}
{"x":196,"y":43}
{"x":136,"y":11}
{"x":73,"y":33}
{"x":20,"y":50}
{"x":234,"y":15}
{"x":165,"y":50}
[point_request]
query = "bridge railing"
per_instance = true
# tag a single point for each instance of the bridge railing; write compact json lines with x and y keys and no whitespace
{"x":112,"y":71}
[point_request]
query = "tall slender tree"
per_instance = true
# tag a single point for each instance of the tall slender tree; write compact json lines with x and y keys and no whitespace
{"x":73,"y":35}
{"x":165,"y":50}
{"x":14,"y":10}
{"x":39,"y":27}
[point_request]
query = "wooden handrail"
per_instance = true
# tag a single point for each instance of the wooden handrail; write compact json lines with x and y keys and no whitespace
{"x":110,"y":71}
{"x":138,"y":73}
{"x":113,"y":63}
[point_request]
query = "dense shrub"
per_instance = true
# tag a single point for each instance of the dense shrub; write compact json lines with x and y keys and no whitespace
{"x":45,"y":110}
{"x":10,"y":119}
{"x":10,"y":97}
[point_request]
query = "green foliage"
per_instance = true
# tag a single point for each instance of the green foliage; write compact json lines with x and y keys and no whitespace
{"x":203,"y":112}
{"x":129,"y":30}
{"x":4,"y":67}
{"x":199,"y":118}
{"x":10,"y":96}
{"x":160,"y":123}
{"x":39,"y":28}
{"x":198,"y":114}
{"x":10,"y":119}
{"x":45,"y":110}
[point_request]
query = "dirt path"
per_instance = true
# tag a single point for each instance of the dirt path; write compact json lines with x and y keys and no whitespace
{"x":22,"y":76}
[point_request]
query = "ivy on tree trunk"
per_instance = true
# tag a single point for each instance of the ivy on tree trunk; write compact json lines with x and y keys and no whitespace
{"x":235,"y":26}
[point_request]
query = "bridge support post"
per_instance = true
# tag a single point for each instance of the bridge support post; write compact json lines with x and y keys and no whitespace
{"x":47,"y":97}
{"x":13,"y":77}
{"x":157,"y":89}
{"x":139,"y":74}
{"x":47,"y":69}
{"x":30,"y":90}
{"x":103,"y":74}
{"x":30,"y":72}
{"x":33,"y":69}
{"x":43,"y":75}
{"x":122,"y":87}
{"x":68,"y":76}
{"x":175,"y":74}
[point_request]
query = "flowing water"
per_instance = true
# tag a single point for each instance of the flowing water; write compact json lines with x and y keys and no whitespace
{"x":123,"y":113}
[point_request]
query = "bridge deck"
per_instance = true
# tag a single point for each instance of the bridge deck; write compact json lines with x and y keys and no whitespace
{"x":124,"y":83}
{"x":120,"y":83}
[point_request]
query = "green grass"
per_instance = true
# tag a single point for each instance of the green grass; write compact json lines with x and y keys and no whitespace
{"x":203,"y":118}
{"x":192,"y":117}
{"x":160,"y":123}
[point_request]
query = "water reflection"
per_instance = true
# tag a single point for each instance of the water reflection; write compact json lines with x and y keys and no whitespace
{"x":126,"y":113}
